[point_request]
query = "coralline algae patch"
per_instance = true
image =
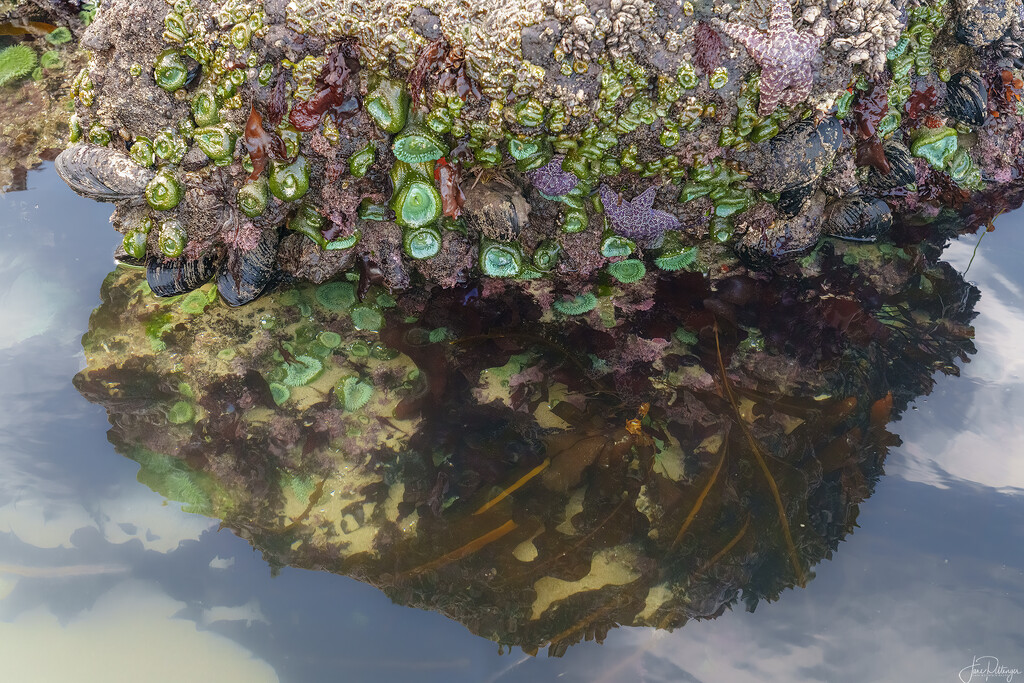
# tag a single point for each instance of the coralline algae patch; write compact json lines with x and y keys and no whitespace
{"x":526,"y":140}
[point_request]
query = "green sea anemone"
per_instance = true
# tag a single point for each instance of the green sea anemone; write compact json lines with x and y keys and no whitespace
{"x":206,"y":108}
{"x":417,"y":203}
{"x":289,"y":182}
{"x":387,"y":103}
{"x":16,"y":61}
{"x":546,"y":255}
{"x":355,"y":393}
{"x":360,"y":162}
{"x":164,"y":192}
{"x":416,"y":145}
{"x":308,"y":221}
{"x":169,"y":146}
{"x":336,"y":296}
{"x":172,"y":239}
{"x":301,"y":371}
{"x":217,"y":142}
{"x":253,"y":197}
{"x":500,"y":259}
{"x":59,"y":36}
{"x":180,"y":413}
{"x":676,"y":259}
{"x":366,"y":317}
{"x":628,"y":271}
{"x":169,"y":70}
{"x":421,"y":243}
{"x":135,"y":243}
{"x":142,"y":151}
{"x":578,"y":305}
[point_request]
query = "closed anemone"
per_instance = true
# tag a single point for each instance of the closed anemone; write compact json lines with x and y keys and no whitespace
{"x":289,"y":182}
{"x":388,"y":105}
{"x":205,"y":108}
{"x":628,"y":271}
{"x":500,"y":259}
{"x":253,"y":197}
{"x":164,"y":191}
{"x":217,"y":142}
{"x":421,"y":243}
{"x":135,"y":243}
{"x":172,"y":239}
{"x":169,"y":70}
{"x":546,"y":255}
{"x":418,"y":203}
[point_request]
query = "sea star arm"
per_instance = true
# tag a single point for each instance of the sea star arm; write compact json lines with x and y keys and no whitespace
{"x":750,"y":37}
{"x":781,"y":21}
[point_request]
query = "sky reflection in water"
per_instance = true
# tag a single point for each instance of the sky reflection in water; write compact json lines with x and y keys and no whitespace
{"x":931,"y":579}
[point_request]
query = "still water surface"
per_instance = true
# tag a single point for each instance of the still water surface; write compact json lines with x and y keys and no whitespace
{"x":102,"y":579}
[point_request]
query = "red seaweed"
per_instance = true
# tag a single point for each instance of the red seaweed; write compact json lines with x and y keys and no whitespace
{"x":429,"y":58}
{"x":278,"y":103}
{"x":335,"y":94}
{"x":707,"y":47}
{"x":261,"y":144}
{"x":448,"y":176}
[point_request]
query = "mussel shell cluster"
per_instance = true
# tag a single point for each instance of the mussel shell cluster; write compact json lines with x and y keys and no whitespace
{"x":982,"y":22}
{"x":901,"y":167}
{"x":247,"y":273}
{"x":800,"y":154}
{"x":857,"y":217}
{"x":967,"y":98}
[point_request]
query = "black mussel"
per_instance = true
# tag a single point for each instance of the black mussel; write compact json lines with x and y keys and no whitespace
{"x":800,"y":154}
{"x":246,"y":273}
{"x":173,"y":276}
{"x":983,"y":22}
{"x":858,"y":218}
{"x":102,"y":173}
{"x":901,"y":167}
{"x":761,"y":248}
{"x":967,"y":98}
{"x":1009,"y":53}
{"x":792,"y":201}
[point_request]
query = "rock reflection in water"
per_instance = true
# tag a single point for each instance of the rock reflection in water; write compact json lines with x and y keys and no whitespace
{"x":538,"y":475}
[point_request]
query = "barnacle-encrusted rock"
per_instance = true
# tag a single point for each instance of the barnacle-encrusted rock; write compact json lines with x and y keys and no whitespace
{"x":365,"y":128}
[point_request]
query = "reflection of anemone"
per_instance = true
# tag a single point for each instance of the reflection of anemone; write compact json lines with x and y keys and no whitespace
{"x":180,"y":413}
{"x":580,"y":304}
{"x":336,"y":296}
{"x":195,"y":302}
{"x":181,"y":486}
{"x":303,"y":370}
{"x":15,"y":62}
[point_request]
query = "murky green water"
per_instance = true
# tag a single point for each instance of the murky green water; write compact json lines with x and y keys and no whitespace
{"x":103,"y":578}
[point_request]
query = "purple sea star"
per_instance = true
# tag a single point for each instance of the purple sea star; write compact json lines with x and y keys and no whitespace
{"x":637,"y":220}
{"x":785,"y":57}
{"x":551,"y":180}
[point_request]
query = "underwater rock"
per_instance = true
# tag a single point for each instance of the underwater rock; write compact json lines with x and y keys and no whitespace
{"x":856,"y":217}
{"x":103,"y":174}
{"x":967,"y":98}
{"x":602,"y":466}
{"x":247,"y":272}
{"x":173,"y":276}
